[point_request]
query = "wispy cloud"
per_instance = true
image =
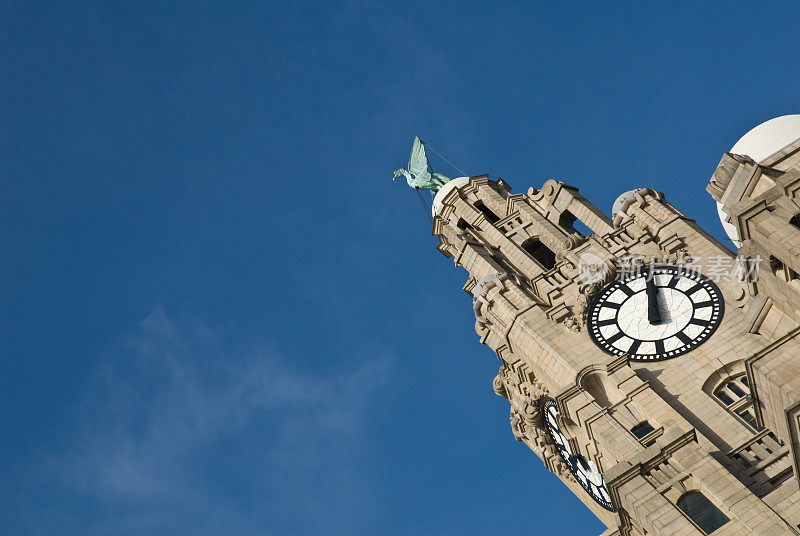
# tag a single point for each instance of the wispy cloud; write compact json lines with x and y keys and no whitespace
{"x":192,"y":429}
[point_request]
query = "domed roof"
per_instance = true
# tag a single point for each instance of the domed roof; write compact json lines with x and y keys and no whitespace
{"x":768,"y":138}
{"x":759,"y":144}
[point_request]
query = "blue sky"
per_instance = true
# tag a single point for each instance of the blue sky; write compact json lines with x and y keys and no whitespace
{"x":220,"y":316}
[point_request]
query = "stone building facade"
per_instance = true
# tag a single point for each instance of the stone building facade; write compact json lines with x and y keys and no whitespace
{"x":693,"y":429}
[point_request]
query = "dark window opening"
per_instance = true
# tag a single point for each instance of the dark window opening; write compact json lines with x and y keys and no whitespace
{"x":570,"y":223}
{"x":775,"y":265}
{"x":749,"y":417}
{"x":642,"y":429}
{"x":736,"y":389}
{"x":567,"y":221}
{"x":491,"y":216}
{"x":725,"y":398}
{"x":734,"y":393}
{"x":702,"y":511}
{"x":795,"y":221}
{"x":462,"y":224}
{"x":540,"y":252}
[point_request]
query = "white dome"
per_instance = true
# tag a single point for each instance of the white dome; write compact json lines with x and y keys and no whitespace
{"x":768,"y":138}
{"x":730,"y":229}
{"x":446,"y":189}
{"x":759,"y":144}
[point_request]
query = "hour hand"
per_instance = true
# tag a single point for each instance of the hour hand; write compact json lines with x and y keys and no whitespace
{"x":653,"y":311}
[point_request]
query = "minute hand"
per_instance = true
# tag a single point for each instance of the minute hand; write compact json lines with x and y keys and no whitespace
{"x":653,"y":310}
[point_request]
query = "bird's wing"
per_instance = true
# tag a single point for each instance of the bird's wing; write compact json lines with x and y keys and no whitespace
{"x":418,"y":163}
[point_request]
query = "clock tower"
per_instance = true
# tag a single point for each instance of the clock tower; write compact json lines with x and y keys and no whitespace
{"x":653,"y":370}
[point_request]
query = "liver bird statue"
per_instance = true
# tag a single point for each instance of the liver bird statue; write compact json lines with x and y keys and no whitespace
{"x":419,"y":175}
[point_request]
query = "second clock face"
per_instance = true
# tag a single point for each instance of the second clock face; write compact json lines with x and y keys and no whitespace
{"x":584,"y":471}
{"x":656,"y":314}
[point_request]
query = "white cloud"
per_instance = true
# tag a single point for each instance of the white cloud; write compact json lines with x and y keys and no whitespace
{"x":195,"y":429}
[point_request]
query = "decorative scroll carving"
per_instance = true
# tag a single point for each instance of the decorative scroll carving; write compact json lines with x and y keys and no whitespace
{"x":524,"y":393}
{"x":522,"y":390}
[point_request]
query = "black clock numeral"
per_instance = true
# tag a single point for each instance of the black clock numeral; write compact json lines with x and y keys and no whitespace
{"x":634,"y":347}
{"x":612,"y":305}
{"x":699,"y":322}
{"x":684,"y":338}
{"x":674,"y":281}
{"x":659,"y":346}
{"x":626,"y":290}
{"x":694,"y":289}
{"x":700,"y":305}
{"x":615,"y":337}
{"x":607,"y":322}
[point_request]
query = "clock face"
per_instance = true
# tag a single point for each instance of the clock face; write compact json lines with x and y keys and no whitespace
{"x":655,"y":314}
{"x":584,"y":471}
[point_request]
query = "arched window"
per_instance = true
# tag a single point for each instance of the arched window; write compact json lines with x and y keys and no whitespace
{"x":734,"y":393}
{"x":702,"y":511}
{"x":567,"y":221}
{"x":604,"y":392}
{"x":571,"y":224}
{"x":543,"y":254}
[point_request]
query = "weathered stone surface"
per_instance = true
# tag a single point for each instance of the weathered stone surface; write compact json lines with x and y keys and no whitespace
{"x":523,"y":254}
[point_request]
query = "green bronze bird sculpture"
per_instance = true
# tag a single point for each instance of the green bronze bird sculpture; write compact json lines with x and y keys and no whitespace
{"x":419,"y":175}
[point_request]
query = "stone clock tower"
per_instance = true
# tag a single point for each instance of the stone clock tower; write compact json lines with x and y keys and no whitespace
{"x":654,"y":371}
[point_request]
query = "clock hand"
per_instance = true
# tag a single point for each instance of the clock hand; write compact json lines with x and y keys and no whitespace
{"x":653,"y":311}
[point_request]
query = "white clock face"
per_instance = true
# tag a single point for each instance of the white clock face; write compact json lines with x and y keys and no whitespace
{"x":656,"y":314}
{"x":584,"y":471}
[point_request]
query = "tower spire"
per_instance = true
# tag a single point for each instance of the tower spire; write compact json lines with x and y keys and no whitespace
{"x":655,"y":421}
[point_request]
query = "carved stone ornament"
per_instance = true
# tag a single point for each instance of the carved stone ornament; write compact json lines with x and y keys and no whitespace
{"x":517,"y":425}
{"x":573,"y":241}
{"x":522,"y":394}
{"x":499,"y":387}
{"x":572,"y":324}
{"x":680,"y":256}
{"x":525,"y":394}
{"x":594,"y":273}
